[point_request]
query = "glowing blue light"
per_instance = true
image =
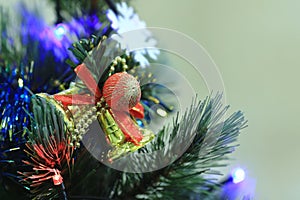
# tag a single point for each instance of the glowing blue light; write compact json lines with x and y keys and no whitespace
{"x":60,"y":31}
{"x":140,"y":123}
{"x":238,"y":175}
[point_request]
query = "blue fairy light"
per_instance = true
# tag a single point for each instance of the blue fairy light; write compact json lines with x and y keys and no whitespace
{"x":238,"y":175}
{"x":46,"y":46}
{"x":57,"y":38}
{"x":60,"y":31}
{"x":140,"y":123}
{"x":51,"y":47}
{"x":238,"y":185}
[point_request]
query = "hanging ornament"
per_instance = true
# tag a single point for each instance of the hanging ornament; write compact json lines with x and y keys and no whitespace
{"x":116,"y":106}
{"x":121,"y":91}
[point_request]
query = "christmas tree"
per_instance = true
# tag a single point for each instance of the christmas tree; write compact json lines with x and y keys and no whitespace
{"x":86,"y":112}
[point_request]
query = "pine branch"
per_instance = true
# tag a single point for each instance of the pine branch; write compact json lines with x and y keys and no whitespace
{"x":49,"y":152}
{"x":59,"y":18}
{"x":206,"y":140}
{"x":98,"y":54}
{"x":186,"y":177}
{"x":79,"y":8}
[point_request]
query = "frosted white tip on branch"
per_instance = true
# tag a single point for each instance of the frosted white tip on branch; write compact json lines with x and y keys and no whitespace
{"x":133,"y":34}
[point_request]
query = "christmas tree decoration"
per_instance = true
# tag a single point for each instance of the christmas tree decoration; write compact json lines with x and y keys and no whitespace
{"x":238,"y":175}
{"x":79,"y":112}
{"x":238,"y":186}
{"x":153,"y":97}
{"x":49,"y":151}
{"x":119,"y":114}
{"x":14,"y":100}
{"x":14,"y":97}
{"x":184,"y":177}
{"x":59,"y":37}
{"x":120,"y":94}
{"x":121,"y":91}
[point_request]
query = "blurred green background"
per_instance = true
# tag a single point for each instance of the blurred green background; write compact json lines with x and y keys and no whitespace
{"x":256,"y":46}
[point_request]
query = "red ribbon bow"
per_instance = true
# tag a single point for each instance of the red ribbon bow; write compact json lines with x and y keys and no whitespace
{"x":122,"y":118}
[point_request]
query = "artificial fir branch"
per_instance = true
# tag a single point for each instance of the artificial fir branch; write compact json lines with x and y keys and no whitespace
{"x":97,"y":53}
{"x":59,"y":18}
{"x":211,"y":142}
{"x":80,"y":8}
{"x":186,"y":173}
{"x":49,"y":152}
{"x":187,"y":177}
{"x":206,"y":138}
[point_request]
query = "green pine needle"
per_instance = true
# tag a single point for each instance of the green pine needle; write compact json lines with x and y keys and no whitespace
{"x":48,"y":150}
{"x":187,"y":177}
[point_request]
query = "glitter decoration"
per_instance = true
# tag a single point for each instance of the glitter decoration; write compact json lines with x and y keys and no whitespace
{"x":123,"y":134}
{"x":14,"y":99}
{"x":121,"y":91}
